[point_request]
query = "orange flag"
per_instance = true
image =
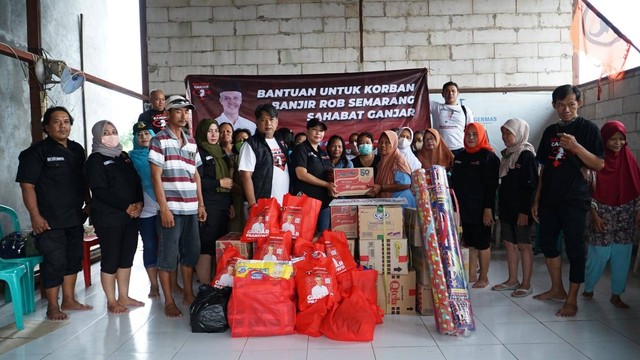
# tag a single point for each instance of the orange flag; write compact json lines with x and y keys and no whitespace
{"x":591,"y":35}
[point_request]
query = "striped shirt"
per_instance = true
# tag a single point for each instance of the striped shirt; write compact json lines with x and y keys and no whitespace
{"x":178,"y":170}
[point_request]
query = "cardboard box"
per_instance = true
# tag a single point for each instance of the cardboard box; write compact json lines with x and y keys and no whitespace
{"x":345,"y":219}
{"x":354,"y":181}
{"x":380,"y":221}
{"x":424,"y":300}
{"x":233,"y":239}
{"x":397,"y":293}
{"x":396,"y":261}
{"x":412,"y":227}
{"x":419,"y":263}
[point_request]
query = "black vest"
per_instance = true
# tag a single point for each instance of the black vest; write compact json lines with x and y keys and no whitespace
{"x":263,"y":173}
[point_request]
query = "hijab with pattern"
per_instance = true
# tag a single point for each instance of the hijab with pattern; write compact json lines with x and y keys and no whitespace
{"x":390,"y":163}
{"x":520,"y":130}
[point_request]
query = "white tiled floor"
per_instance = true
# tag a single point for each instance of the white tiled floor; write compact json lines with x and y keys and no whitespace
{"x":507,"y":328}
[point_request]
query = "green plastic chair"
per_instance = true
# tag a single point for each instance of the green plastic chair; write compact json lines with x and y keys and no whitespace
{"x":28,"y":281}
{"x":13,"y":275}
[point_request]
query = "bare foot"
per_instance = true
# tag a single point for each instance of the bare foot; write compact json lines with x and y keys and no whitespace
{"x":473,"y":279}
{"x":481,"y":284}
{"x":54,"y":314}
{"x":130,"y":302}
{"x":187,"y":300}
{"x":587,"y":295}
{"x":176,"y":289}
{"x":568,"y":310}
{"x":551,"y":295}
{"x":617,"y":302}
{"x":117,"y":309}
{"x":75,"y":305}
{"x":172,"y":311}
{"x":154,"y":292}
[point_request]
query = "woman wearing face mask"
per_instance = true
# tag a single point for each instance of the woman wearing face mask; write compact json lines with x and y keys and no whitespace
{"x":237,"y":194}
{"x":418,"y":142}
{"x":405,"y":137}
{"x":215,"y":176}
{"x":117,"y":204}
{"x":366,"y":157}
{"x":435,"y":151}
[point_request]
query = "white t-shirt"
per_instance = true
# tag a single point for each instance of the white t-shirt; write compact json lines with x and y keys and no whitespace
{"x":226,"y":280}
{"x":289,"y":227}
{"x":257,"y":227}
{"x":450,"y":121}
{"x":280,"y":180}
{"x":319,"y":291}
{"x":270,"y":257}
{"x":241,"y":123}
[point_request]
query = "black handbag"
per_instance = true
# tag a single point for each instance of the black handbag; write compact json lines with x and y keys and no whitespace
{"x":18,"y":244}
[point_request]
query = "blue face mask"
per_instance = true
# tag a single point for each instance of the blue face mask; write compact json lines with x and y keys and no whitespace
{"x":365,"y":149}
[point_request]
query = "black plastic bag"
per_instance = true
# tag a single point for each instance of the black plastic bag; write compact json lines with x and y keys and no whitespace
{"x":208,"y":311}
{"x":18,"y":244}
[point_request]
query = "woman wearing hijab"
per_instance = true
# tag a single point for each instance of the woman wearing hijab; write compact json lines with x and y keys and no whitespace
{"x":615,"y":211}
{"x":393,"y":174}
{"x":117,"y":204}
{"x":418,"y":142}
{"x":519,"y":178}
{"x":434,"y":151}
{"x":142,"y":134}
{"x":405,"y":138}
{"x":474,"y":178}
{"x":216,"y":191}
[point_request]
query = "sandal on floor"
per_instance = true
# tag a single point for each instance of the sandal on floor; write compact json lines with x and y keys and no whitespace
{"x":505,"y":287}
{"x":520,"y":293}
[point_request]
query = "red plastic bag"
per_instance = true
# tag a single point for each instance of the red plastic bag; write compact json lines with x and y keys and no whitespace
{"x":302,"y":247}
{"x":337,"y":248}
{"x":262,"y":306}
{"x":263,"y":220}
{"x":352,"y":320}
{"x":308,"y":322}
{"x":300,"y":215}
{"x":226,"y":268}
{"x":275,"y":247}
{"x":315,"y":279}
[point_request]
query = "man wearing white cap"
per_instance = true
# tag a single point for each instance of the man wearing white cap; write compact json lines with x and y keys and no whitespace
{"x":174,"y":158}
{"x":231,"y":99}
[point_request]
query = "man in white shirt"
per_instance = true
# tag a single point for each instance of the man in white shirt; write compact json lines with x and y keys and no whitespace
{"x":270,"y":256}
{"x":319,"y":291}
{"x":450,"y":118}
{"x":231,"y":99}
{"x":288,"y":225}
{"x":263,"y":160}
{"x":226,"y":280}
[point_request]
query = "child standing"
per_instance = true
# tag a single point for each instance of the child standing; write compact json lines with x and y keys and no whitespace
{"x":519,"y":178}
{"x":615,"y":210}
{"x":475,"y":180}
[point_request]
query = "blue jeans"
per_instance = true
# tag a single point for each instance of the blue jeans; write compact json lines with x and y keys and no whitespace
{"x":182,"y":239}
{"x":149,"y":237}
{"x":324,"y":218}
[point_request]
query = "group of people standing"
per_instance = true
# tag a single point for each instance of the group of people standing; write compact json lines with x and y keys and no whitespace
{"x":182,"y":193}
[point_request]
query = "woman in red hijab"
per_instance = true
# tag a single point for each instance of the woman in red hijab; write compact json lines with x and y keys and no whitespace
{"x":474,"y":178}
{"x":615,"y":211}
{"x":393,"y":174}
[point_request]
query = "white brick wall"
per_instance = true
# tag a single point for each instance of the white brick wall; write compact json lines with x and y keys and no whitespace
{"x":478,"y":43}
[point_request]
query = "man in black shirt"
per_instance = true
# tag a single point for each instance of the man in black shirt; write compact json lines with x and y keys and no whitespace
{"x":54,"y":190}
{"x":155,"y":117}
{"x":567,"y":150}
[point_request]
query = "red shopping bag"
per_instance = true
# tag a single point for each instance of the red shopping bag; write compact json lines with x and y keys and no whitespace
{"x":315,"y":278}
{"x":352,"y":320}
{"x":300,"y":215}
{"x":274,"y":247}
{"x":337,"y":248}
{"x":226,"y":268}
{"x":262,"y":306}
{"x":264,"y":219}
{"x":308,"y":322}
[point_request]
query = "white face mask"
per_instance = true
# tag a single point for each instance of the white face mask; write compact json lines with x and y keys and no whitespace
{"x":403,"y":143}
{"x":419,"y":145}
{"x":110,"y":141}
